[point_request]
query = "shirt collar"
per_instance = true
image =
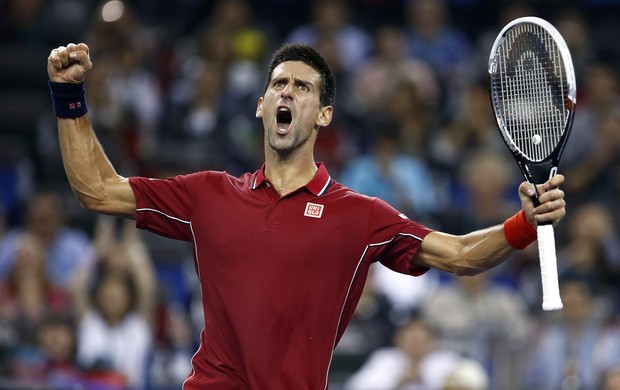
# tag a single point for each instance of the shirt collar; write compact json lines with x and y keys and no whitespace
{"x":318,"y":185}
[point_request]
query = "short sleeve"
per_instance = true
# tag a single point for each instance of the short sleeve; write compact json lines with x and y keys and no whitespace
{"x":165,"y":207}
{"x":396,"y":238}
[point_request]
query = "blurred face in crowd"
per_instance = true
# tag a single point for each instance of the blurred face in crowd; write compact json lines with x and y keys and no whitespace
{"x":57,"y":341}
{"x":44,"y":215}
{"x":113,"y":299}
{"x":416,"y":339}
{"x":29,"y":257}
{"x":577,"y":300}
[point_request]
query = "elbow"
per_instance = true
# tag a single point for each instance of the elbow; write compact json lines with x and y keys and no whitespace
{"x":94,"y":201}
{"x":90,"y":204}
{"x":114,"y":198}
{"x":99,"y":196}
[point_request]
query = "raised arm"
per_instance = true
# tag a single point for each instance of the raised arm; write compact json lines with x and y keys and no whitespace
{"x":91,"y":175}
{"x":484,"y":249}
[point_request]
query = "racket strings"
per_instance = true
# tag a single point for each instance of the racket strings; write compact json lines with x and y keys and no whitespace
{"x":531,"y":90}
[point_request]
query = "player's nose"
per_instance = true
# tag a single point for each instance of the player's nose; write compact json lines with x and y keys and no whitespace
{"x":287,"y":92}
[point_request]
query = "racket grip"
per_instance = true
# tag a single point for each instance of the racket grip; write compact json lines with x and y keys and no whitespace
{"x":548,"y":268}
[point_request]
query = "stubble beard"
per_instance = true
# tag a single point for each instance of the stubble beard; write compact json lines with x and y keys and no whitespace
{"x":287,"y":145}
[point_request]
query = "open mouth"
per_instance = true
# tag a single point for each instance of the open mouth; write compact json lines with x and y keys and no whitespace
{"x":284,"y":119}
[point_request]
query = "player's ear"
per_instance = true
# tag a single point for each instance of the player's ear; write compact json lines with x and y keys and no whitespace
{"x":325,"y":116}
{"x":259,"y":108}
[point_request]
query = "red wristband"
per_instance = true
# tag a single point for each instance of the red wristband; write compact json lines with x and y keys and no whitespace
{"x":518,"y":231}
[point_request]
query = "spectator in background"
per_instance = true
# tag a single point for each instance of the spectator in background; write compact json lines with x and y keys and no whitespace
{"x":594,"y":132}
{"x":193,"y":125}
{"x":591,"y":247}
{"x":482,"y":319}
{"x":66,"y":249}
{"x":481,"y":193}
{"x":576,"y":31}
{"x":386,"y":172}
{"x":596,"y":172}
{"x":469,"y":129}
{"x":416,"y":119}
{"x":50,"y":360}
{"x":109,"y":327}
{"x":241,"y":43}
{"x":372,"y":325}
{"x":386,"y":69}
{"x":390,"y":84}
{"x":414,"y":361}
{"x":28,"y":294}
{"x":433,"y":38}
{"x":404,"y":295}
{"x":574,"y":347}
{"x":334,"y":18}
{"x":118,"y":312}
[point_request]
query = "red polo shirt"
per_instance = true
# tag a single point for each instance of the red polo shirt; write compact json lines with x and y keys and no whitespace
{"x":280,"y":276}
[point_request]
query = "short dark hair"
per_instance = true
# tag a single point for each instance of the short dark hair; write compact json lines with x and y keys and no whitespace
{"x":311,"y":57}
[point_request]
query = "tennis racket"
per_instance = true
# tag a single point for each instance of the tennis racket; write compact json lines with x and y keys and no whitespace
{"x":533,"y":94}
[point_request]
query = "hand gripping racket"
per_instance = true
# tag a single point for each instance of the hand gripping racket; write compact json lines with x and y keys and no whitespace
{"x":533,"y":94}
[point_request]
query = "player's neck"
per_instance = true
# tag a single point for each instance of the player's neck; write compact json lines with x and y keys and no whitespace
{"x":287,"y":175}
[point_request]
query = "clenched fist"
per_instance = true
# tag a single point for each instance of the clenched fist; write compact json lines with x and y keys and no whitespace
{"x":69,"y":64}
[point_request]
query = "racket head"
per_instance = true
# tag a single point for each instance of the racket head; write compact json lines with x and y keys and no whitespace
{"x":533,"y":89}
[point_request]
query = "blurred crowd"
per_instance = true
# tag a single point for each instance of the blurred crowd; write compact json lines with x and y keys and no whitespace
{"x":90,"y":300}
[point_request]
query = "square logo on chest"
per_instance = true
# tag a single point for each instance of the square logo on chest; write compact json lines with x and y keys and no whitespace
{"x":314,"y":210}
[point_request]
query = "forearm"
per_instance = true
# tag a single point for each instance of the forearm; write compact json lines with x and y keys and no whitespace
{"x":90,"y":173}
{"x":484,"y":249}
{"x":468,"y":254}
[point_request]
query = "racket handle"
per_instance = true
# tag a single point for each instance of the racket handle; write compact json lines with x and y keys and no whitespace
{"x":548,"y":268}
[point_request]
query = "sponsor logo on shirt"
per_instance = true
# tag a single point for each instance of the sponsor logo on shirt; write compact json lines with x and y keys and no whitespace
{"x":313,"y":210}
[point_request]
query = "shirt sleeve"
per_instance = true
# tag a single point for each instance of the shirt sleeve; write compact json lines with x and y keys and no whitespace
{"x":165,"y":207}
{"x":395,"y":238}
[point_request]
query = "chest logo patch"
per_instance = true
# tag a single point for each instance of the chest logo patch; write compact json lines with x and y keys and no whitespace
{"x":314,"y":210}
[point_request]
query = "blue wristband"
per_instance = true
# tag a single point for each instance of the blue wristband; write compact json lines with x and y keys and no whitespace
{"x":69,"y":99}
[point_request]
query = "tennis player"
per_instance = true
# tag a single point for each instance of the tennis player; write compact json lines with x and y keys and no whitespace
{"x":281,"y":253}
